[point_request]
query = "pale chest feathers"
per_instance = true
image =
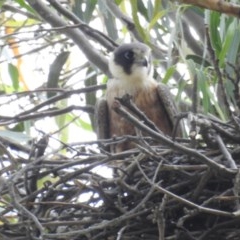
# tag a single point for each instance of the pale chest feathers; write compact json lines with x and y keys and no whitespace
{"x":118,"y":88}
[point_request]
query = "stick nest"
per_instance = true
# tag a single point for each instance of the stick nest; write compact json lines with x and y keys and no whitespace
{"x":181,"y":189}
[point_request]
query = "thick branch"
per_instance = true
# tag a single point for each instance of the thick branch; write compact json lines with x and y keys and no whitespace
{"x":216,"y":5}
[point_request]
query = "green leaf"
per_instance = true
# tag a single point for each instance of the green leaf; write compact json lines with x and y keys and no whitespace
{"x":169,"y":73}
{"x":180,"y":87}
{"x":227,"y":43}
{"x":24,"y":5}
{"x":143,"y":10}
{"x":88,"y":13}
{"x":155,"y":19}
{"x":214,"y":32}
{"x":118,"y":2}
{"x":14,"y":75}
{"x":2,"y":2}
{"x":84,"y":9}
{"x":79,"y":122}
{"x":203,"y":88}
{"x":234,"y":48}
{"x":85,"y":125}
{"x":109,"y":20}
{"x":192,"y":67}
{"x":42,"y":181}
{"x":135,"y":17}
{"x":20,"y":23}
{"x":157,"y":7}
{"x":208,"y":98}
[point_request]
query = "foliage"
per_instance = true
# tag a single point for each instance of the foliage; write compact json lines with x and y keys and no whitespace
{"x":53,"y":67}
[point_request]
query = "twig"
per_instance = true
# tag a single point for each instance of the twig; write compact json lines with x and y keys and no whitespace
{"x":48,"y":113}
{"x":65,"y":94}
{"x":21,"y":208}
{"x":227,"y":156}
{"x":174,"y":145}
{"x":126,"y":101}
{"x":185,"y":201}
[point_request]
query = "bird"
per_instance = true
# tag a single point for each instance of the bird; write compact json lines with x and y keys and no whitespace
{"x":132,"y":73}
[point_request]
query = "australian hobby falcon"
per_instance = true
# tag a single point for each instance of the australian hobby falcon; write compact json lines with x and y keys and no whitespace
{"x":131,"y":68}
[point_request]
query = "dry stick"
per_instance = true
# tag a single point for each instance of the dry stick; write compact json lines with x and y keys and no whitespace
{"x":236,"y":190}
{"x":226,"y":133}
{"x":100,"y":226}
{"x":65,"y":94}
{"x":119,"y":234}
{"x":161,"y":220}
{"x":35,"y":50}
{"x":235,"y":81}
{"x":193,"y":126}
{"x":222,"y":226}
{"x":128,"y":215}
{"x":202,"y":183}
{"x":173,"y":145}
{"x":183,"y":200}
{"x":126,"y":100}
{"x":106,"y":224}
{"x":57,"y":90}
{"x":48,"y":113}
{"x":19,"y":206}
{"x":236,"y":121}
{"x":225,"y":152}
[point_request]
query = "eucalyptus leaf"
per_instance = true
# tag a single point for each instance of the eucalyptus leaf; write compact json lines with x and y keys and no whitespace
{"x":14,"y":75}
{"x":55,"y":72}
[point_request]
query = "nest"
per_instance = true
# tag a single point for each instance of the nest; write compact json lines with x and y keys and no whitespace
{"x":184,"y":188}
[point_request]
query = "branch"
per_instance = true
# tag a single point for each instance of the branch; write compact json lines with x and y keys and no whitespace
{"x":45,"y":113}
{"x":76,"y":35}
{"x":91,"y":32}
{"x":65,"y":94}
{"x":216,"y":5}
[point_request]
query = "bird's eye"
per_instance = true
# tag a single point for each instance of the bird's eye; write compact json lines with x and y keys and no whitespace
{"x":128,"y":55}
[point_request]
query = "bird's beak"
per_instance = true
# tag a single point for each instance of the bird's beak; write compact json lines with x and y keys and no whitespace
{"x":142,"y":62}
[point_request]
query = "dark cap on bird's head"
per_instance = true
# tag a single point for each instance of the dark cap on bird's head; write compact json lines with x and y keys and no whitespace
{"x":129,"y":58}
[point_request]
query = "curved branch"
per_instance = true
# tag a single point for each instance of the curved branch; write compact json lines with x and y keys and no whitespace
{"x":91,"y":32}
{"x":76,"y":35}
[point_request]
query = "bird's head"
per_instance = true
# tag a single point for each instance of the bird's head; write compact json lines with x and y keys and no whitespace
{"x":131,"y":62}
